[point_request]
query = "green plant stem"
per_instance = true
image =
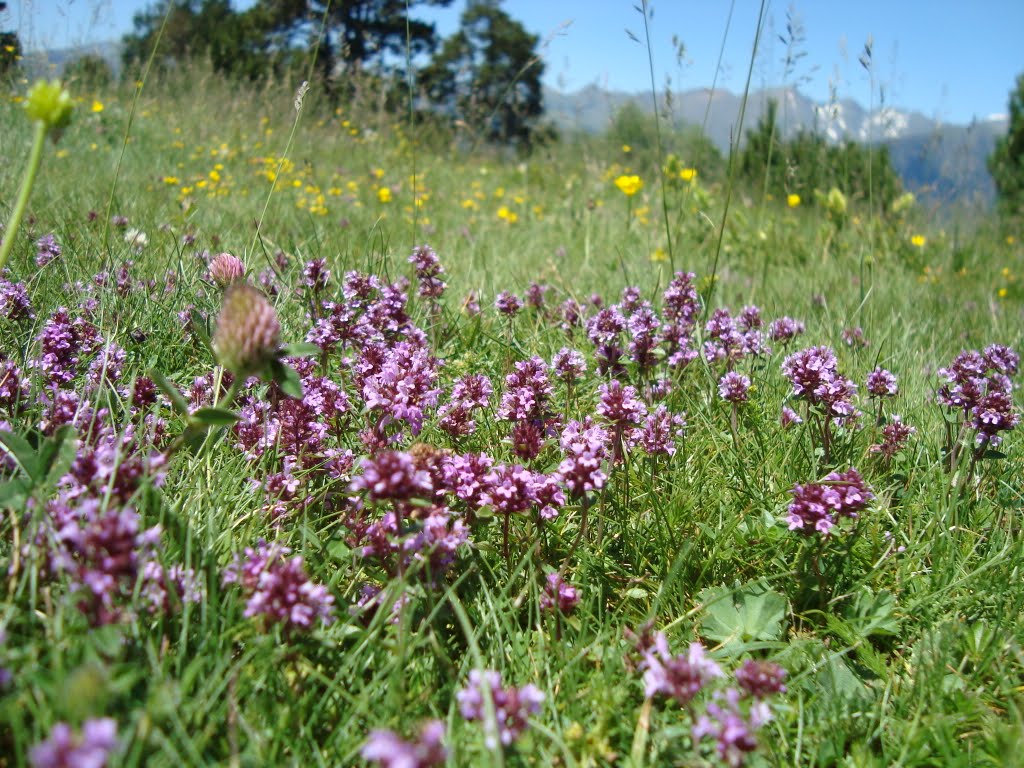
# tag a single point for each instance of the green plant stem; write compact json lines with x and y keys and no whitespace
{"x":35,"y":159}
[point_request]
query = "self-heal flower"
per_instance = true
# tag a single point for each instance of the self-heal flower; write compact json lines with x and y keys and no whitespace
{"x":248,"y":335}
{"x":47,"y":249}
{"x":882,"y":383}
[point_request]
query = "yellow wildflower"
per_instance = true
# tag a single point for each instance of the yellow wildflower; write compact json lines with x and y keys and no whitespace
{"x":918,"y":241}
{"x":384,"y":194}
{"x":626,"y":148}
{"x":507,"y":215}
{"x":660,"y":254}
{"x":793,"y":200}
{"x":97,"y":106}
{"x":629,"y":185}
{"x":688,"y":174}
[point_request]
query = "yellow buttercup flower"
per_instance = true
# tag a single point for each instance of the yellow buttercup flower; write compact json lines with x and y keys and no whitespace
{"x":629,"y":185}
{"x":508,"y":215}
{"x":918,"y":241}
{"x":97,"y":106}
{"x":384,"y":194}
{"x":688,"y":174}
{"x":793,"y":200}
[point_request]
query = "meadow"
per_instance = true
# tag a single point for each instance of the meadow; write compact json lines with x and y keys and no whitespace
{"x":329,"y":440}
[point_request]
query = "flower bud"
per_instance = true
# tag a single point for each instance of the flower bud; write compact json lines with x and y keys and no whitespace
{"x":50,"y":103}
{"x":248,"y":332}
{"x":226,"y":269}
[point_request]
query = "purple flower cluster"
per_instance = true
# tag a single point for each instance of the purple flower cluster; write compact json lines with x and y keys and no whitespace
{"x":730,"y":339}
{"x":816,"y":506}
{"x":979,"y":386}
{"x":15,"y":304}
{"x":895,"y":435}
{"x":47,"y":249}
{"x":882,"y":383}
{"x":734,"y":387}
{"x":814,"y":375}
{"x":508,"y":304}
{"x":389,"y":750}
{"x":785,"y":329}
{"x":558,"y":595}
{"x":429,"y":272}
{"x":680,"y":677}
{"x":512,"y":706}
{"x":659,"y":432}
{"x":585,"y":447}
{"x":278,"y":588}
{"x":91,"y":748}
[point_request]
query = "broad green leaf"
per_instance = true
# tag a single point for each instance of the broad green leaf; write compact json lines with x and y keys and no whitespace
{"x":750,"y":612}
{"x":18,"y":448}
{"x":873,"y":614}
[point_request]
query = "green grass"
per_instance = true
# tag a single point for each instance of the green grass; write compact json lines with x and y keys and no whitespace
{"x":910,"y":657}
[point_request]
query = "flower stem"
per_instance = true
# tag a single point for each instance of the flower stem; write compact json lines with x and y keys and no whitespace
{"x":27,"y":182}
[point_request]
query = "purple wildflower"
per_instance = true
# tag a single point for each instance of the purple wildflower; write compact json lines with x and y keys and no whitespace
{"x":785,"y":329}
{"x":512,"y":706}
{"x":47,"y":249}
{"x":854,"y":337}
{"x":681,"y":301}
{"x":89,"y":749}
{"x":882,"y":383}
{"x":429,"y":272}
{"x":679,"y":677}
{"x":568,"y":365}
{"x":761,"y":679}
{"x":659,"y":433}
{"x":584,"y":445}
{"x":734,"y":387}
{"x":789,"y":417}
{"x":895,"y":435}
{"x":508,"y":304}
{"x":993,"y":414}
{"x":558,"y":595}
{"x":279,"y":589}
{"x":393,"y":475}
{"x":15,"y":303}
{"x":389,"y":750}
{"x":733,"y":733}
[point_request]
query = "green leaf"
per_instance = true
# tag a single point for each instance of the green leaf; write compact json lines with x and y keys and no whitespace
{"x":22,"y":452}
{"x":287,"y":379}
{"x":750,"y":612}
{"x":58,"y":446}
{"x":873,"y":614}
{"x":993,"y":454}
{"x":215,"y":417}
{"x":300,"y":349}
{"x":14,"y":493}
{"x":178,"y":402}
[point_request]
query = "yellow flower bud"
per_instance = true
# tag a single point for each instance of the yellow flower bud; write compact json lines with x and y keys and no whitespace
{"x":49,"y":103}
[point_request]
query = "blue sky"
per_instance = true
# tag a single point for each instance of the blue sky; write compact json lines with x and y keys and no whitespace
{"x":950,"y":59}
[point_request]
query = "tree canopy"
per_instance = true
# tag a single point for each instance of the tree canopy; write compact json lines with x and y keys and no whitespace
{"x":487,"y":75}
{"x":1006,"y":163}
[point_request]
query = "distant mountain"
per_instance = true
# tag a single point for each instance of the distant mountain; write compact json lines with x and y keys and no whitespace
{"x":940,"y":161}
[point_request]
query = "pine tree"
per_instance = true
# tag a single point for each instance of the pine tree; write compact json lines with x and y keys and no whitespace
{"x":487,"y":75}
{"x":1006,"y":163}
